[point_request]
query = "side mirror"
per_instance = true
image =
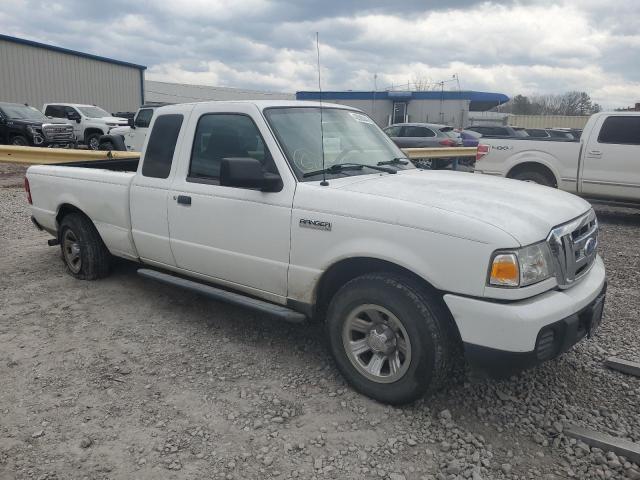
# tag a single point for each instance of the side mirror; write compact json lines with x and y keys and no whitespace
{"x":73,"y":116}
{"x":130,"y":122}
{"x":246,"y":172}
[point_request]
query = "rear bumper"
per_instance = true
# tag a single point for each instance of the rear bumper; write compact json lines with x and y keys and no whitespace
{"x":524,"y":333}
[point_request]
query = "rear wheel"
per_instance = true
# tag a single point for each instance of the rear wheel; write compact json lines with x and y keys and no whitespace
{"x":83,"y":251}
{"x":389,"y":337}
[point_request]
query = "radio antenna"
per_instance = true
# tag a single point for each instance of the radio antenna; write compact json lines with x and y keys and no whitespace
{"x":324,"y":182}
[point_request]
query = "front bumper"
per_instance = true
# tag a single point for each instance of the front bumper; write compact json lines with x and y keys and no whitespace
{"x":516,"y":335}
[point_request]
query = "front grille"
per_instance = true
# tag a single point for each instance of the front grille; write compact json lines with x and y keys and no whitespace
{"x":574,"y":248}
{"x":58,"y":133}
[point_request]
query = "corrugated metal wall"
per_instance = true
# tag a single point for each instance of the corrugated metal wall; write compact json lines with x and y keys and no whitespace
{"x":184,"y":93}
{"x":548,"y":121}
{"x":38,"y":76}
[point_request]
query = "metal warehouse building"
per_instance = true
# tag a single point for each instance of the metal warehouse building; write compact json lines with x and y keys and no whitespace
{"x":36,"y":73}
{"x":389,"y":106}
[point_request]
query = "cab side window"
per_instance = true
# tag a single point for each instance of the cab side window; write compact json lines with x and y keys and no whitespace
{"x":143,"y":119}
{"x":393,"y":131}
{"x":54,"y":111}
{"x":221,"y":136}
{"x":622,"y":130}
{"x":414,"y":131}
{"x":162,"y":143}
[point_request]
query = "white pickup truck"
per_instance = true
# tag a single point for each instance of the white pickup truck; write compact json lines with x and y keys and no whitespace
{"x":605,"y":165}
{"x":409,"y":268}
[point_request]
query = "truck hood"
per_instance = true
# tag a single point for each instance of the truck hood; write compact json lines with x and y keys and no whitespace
{"x":119,"y":130}
{"x":33,"y":123}
{"x":525,"y":211}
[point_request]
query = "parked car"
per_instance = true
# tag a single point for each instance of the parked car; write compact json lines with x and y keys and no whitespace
{"x":130,"y":138}
{"x":425,"y":135}
{"x":603,"y":165}
{"x":23,"y":125}
{"x":576,"y":132}
{"x":550,"y":133}
{"x":244,"y":202}
{"x":89,"y":122}
{"x":498,"y":131}
{"x":470,"y":138}
{"x":420,"y":135}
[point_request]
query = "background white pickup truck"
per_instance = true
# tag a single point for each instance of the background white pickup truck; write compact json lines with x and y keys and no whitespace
{"x":604,"y":165}
{"x":89,"y":122}
{"x":130,"y":138}
{"x":407,"y":267}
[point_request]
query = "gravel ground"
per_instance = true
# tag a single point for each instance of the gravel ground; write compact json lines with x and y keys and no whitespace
{"x":123,"y":378}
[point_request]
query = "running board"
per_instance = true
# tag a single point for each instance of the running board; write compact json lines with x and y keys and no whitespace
{"x":279,"y":311}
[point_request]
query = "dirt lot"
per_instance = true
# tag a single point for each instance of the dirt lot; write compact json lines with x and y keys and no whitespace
{"x":123,"y":378}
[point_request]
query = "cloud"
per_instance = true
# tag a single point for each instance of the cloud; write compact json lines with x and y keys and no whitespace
{"x":526,"y":46}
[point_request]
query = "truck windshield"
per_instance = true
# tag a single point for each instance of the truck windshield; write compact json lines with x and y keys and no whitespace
{"x":21,"y":112}
{"x":349,"y":137}
{"x":94,"y":112}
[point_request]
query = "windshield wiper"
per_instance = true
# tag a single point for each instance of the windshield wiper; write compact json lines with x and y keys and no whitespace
{"x":395,"y":161}
{"x":339,"y":167}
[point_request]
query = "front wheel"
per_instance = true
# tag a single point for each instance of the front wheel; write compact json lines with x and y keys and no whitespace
{"x":20,"y":141}
{"x":389,"y":337}
{"x":93,"y":141}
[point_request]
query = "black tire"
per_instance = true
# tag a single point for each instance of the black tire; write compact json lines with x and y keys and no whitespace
{"x":93,"y":141}
{"x":19,"y":141}
{"x":106,"y":146}
{"x":535,"y":176}
{"x":425,"y":320}
{"x":92,"y":254}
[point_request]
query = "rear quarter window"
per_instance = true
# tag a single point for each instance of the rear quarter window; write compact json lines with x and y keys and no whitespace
{"x":624,"y":130}
{"x":162,"y":144}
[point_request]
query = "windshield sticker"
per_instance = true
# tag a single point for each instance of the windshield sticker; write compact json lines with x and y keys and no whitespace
{"x":360,"y":117}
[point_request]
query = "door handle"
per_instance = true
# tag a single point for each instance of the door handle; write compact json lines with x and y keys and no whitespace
{"x":594,"y":153}
{"x":184,"y":199}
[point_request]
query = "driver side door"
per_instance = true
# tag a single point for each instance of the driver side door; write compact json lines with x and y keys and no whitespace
{"x":238,"y":237}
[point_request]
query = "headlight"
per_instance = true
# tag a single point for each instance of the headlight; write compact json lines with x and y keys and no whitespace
{"x":522,"y":267}
{"x":31,"y":130}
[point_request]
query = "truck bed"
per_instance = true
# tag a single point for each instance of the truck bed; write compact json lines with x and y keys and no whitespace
{"x":99,"y":189}
{"x":115,"y":164}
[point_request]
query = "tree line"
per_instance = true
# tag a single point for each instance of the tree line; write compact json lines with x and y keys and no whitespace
{"x":569,"y":103}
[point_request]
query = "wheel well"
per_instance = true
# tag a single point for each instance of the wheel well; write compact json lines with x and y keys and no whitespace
{"x":91,"y":131}
{"x":533,"y":167}
{"x":65,"y":209}
{"x":345,"y":270}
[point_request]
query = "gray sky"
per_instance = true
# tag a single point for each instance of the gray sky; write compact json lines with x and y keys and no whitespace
{"x":526,"y":46}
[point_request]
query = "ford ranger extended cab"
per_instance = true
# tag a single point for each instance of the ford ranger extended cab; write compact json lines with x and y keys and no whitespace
{"x":308,"y":211}
{"x":603,"y":165}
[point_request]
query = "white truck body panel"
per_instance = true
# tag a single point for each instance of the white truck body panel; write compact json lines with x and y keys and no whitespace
{"x":442,"y":226}
{"x":590,"y":168}
{"x":101,"y":194}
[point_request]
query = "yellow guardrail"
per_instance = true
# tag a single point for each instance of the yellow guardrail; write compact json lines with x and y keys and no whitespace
{"x":445,"y":152}
{"x":43,"y":156}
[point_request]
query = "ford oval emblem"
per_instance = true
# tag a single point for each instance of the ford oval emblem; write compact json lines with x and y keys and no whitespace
{"x":590,"y":247}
